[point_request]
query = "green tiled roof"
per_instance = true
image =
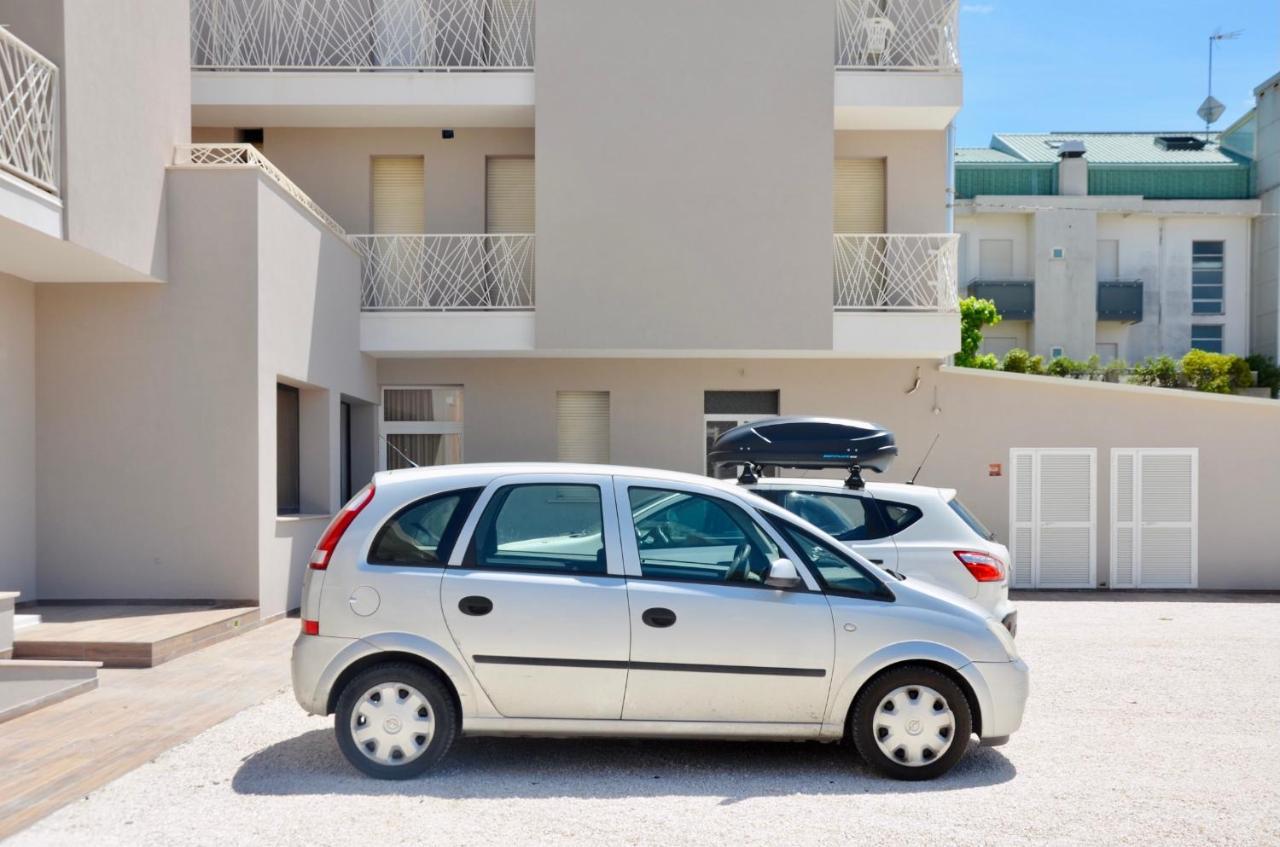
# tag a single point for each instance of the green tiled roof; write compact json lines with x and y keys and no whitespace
{"x":1111,"y":148}
{"x":983,"y":155}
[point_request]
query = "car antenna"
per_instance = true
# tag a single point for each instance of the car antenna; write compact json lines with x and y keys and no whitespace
{"x":399,"y":452}
{"x":912,"y":481}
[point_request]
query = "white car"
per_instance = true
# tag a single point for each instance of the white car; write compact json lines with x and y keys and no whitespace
{"x":921,"y":532}
{"x":564,"y":600}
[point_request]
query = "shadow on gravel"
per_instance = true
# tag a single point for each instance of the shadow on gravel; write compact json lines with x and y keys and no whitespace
{"x":491,"y":768}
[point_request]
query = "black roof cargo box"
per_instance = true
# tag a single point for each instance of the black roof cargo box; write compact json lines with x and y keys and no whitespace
{"x":806,"y":442}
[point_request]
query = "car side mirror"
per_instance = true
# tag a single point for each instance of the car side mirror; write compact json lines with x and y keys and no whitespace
{"x":782,"y":574}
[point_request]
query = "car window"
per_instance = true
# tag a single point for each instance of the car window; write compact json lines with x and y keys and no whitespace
{"x":541,"y":527}
{"x":686,"y":536}
{"x":845,"y":516}
{"x":423,"y":533}
{"x":838,"y":571}
{"x":899,"y":516}
{"x":970,"y":519}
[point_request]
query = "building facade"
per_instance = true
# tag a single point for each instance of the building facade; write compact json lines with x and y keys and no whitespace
{"x":1124,"y":245}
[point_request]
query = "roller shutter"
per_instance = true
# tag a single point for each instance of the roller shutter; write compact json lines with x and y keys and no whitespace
{"x":859,"y":195}
{"x":509,"y":195}
{"x":399,"y":195}
{"x":582,"y":426}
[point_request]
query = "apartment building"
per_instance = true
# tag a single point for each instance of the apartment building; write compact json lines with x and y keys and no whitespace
{"x":1126,"y":245}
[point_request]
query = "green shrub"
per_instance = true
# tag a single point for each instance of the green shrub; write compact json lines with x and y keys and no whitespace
{"x":1017,"y":361}
{"x":1114,"y":371}
{"x":1093,"y":367}
{"x":986,"y":362}
{"x":1066,"y":366}
{"x":974,"y":315}
{"x":1268,"y":372}
{"x":1216,"y":373}
{"x":1036,"y":365}
{"x":1161,"y":371}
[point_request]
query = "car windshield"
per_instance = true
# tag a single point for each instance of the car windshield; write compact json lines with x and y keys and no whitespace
{"x":969,"y":518}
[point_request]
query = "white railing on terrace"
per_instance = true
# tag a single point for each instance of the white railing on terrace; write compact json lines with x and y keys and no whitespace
{"x":917,"y":35}
{"x":446,"y":272}
{"x":897,"y":273}
{"x":362,"y":34}
{"x":241,"y":155}
{"x":28,"y":113}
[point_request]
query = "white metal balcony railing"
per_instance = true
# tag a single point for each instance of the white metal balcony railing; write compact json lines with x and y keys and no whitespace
{"x":898,"y":273}
{"x":446,"y":272}
{"x":892,"y":35}
{"x":28,"y":113}
{"x":362,"y":34}
{"x":240,"y":155}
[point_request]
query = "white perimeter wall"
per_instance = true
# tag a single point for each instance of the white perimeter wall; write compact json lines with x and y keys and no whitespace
{"x":17,"y":436}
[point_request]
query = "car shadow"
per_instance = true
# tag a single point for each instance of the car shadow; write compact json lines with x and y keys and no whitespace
{"x":492,"y":768}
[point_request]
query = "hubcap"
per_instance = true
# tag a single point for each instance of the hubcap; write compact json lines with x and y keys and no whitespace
{"x":392,"y":723}
{"x":914,"y":725}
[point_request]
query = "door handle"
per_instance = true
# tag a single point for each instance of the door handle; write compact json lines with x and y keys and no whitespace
{"x":475,"y":605}
{"x":658,"y":617}
{"x":876,"y":561}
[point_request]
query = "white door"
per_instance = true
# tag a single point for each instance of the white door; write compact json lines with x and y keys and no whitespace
{"x":1053,"y":517}
{"x":535,"y":600}
{"x":709,"y":640}
{"x":1154,"y":517}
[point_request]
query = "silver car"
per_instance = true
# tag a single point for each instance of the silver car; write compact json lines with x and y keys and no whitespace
{"x":557,"y":599}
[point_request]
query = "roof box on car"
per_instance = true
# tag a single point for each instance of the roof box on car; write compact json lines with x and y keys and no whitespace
{"x":806,"y":442}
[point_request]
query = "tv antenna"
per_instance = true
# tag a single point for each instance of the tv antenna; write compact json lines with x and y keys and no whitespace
{"x":1212,"y":108}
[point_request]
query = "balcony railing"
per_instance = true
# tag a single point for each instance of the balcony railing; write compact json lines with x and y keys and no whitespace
{"x":28,"y":114}
{"x":1120,"y":300}
{"x":917,"y":35}
{"x":446,"y":272}
{"x":1015,"y":299}
{"x":241,"y":155}
{"x":362,"y":34}
{"x":896,"y":273}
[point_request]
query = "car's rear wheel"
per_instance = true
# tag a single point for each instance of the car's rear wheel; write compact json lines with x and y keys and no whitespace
{"x":912,"y":723}
{"x":395,"y":721}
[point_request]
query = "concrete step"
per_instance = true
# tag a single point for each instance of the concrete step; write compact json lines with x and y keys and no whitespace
{"x":21,"y":621}
{"x":27,"y":685}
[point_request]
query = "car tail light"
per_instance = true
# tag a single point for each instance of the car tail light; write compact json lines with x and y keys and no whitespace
{"x":983,"y":566}
{"x":337,"y":526}
{"x":310,"y":627}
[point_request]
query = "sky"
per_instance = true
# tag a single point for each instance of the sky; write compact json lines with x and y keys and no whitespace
{"x":1078,"y":65}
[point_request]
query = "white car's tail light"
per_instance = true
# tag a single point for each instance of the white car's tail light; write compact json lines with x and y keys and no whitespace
{"x":983,"y":566}
{"x":333,"y":532}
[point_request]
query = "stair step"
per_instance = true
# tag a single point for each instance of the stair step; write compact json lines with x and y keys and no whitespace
{"x":27,"y":685}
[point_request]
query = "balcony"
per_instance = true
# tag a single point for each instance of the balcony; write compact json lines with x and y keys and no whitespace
{"x":439,"y":293}
{"x":897,"y":64}
{"x":1120,"y":300}
{"x":1015,"y":299}
{"x":896,"y":295}
{"x":357,"y":62}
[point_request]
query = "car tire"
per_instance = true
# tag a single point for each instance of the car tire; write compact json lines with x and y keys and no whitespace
{"x":911,"y":723}
{"x":378,"y":712}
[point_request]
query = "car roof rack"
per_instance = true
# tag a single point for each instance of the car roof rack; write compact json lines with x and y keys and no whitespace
{"x":807,"y":442}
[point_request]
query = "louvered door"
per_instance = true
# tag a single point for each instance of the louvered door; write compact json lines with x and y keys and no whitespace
{"x":1154,"y":517}
{"x":1053,"y":517}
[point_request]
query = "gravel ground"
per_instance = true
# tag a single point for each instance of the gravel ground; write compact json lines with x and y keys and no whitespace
{"x":1152,"y":720}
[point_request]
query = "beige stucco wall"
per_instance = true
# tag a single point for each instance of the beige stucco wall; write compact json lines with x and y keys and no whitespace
{"x":1266,"y":227}
{"x":684,"y":194}
{"x":657,"y":420}
{"x":915,"y":174}
{"x":17,"y":436}
{"x":334,"y":167}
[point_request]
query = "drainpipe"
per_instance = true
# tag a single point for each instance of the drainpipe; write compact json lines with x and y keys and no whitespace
{"x":951,"y":176}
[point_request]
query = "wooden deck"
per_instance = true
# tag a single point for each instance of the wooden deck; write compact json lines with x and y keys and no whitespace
{"x":128,"y":635}
{"x":56,"y":755}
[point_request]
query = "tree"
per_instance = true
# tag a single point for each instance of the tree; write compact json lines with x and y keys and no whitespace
{"x":974,"y":315}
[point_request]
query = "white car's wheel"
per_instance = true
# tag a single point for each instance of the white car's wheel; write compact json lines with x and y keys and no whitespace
{"x":912,"y":723}
{"x":395,"y":721}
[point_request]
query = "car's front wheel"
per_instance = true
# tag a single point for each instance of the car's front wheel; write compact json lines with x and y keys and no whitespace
{"x":912,"y":723}
{"x":395,"y":721}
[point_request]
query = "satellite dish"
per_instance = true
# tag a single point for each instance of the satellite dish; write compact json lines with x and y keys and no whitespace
{"x":1210,"y":110}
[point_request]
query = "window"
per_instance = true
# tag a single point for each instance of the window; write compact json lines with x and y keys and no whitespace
{"x":846,"y":517}
{"x":509,"y":195}
{"x":969,"y":518}
{"x":1207,"y":337}
{"x":899,"y":516}
{"x":859,"y":195}
{"x":399,"y":195}
{"x":995,"y":259}
{"x":421,"y":426}
{"x":288,"y":450}
{"x":582,"y":426}
{"x":838,"y":572}
{"x":344,"y":446}
{"x":423,"y":533}
{"x":542,"y":527}
{"x":1208,"y":264}
{"x":685,"y":536}
{"x":724,"y":410}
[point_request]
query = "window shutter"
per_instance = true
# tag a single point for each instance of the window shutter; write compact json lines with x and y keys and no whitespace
{"x":399,"y":195}
{"x":1167,"y":533}
{"x":509,"y":195}
{"x":995,"y":259}
{"x":1021,"y":517}
{"x":859,"y":195}
{"x":1065,"y":520}
{"x":582,"y":426}
{"x":1123,"y":518}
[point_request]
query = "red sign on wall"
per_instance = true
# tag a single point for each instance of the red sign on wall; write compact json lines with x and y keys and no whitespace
{"x":995,"y":469}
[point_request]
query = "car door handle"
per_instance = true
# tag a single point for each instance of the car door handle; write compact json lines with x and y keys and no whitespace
{"x":876,"y":561}
{"x":475,"y":605}
{"x":658,"y":617}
